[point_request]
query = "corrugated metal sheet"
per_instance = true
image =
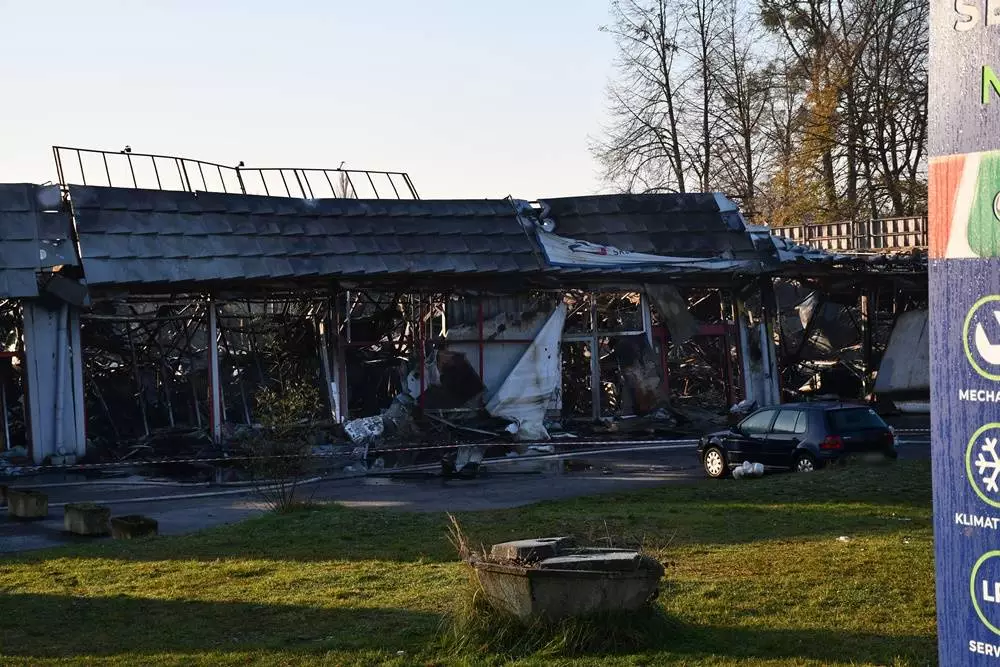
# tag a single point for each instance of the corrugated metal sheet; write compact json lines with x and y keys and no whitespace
{"x":679,"y":225}
{"x":148,"y":237}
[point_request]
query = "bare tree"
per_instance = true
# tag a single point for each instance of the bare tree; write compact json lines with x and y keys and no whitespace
{"x":803,"y":110}
{"x":641,"y":146}
{"x":864,"y":64}
{"x":700,"y":37}
{"x":893,"y":77}
{"x":745,"y":85}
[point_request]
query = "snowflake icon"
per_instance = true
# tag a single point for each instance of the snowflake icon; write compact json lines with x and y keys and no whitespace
{"x":991,"y":464}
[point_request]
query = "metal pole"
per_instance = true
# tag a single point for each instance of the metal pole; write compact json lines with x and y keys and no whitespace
{"x":353,"y":189}
{"x":239,"y":177}
{"x":214,"y":393}
{"x":347,"y":315}
{"x":135,"y":183}
{"x":295,"y":172}
{"x":370,"y":181}
{"x":333,"y":190}
{"x":3,"y":411}
{"x":59,"y":166}
{"x":647,"y":317}
{"x":187,"y":179}
{"x":423,"y":348}
{"x":482,"y":349}
{"x":596,"y":392}
{"x":204,"y":183}
{"x":868,"y":325}
{"x":83,"y":174}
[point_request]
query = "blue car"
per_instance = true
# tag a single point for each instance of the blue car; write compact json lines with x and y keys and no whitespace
{"x":799,"y":436}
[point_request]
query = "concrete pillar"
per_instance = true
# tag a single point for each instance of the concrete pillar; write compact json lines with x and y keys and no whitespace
{"x":768,"y":345}
{"x":54,"y":371}
{"x":758,"y":351}
{"x":749,"y":366}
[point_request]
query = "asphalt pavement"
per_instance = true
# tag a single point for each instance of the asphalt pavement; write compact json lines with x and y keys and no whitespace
{"x":505,"y":483}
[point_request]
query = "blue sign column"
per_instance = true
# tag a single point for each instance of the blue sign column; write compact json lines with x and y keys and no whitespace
{"x":964,"y":179}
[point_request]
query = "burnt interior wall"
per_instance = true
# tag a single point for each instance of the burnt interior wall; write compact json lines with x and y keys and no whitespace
{"x":147,"y":363}
{"x":703,"y":370}
{"x":145,"y":368}
{"x":822,"y":334}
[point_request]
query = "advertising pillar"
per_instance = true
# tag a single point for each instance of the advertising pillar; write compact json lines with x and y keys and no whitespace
{"x":964,"y":209}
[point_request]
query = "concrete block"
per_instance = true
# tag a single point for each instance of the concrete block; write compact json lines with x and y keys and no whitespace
{"x":604,"y":562}
{"x":27,"y":504}
{"x":553,"y":595}
{"x":529,"y":551}
{"x":133,"y":526}
{"x":87,"y":519}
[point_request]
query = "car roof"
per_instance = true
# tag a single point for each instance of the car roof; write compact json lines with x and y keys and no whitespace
{"x":822,"y":405}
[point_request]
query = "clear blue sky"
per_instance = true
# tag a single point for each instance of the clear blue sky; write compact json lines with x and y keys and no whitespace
{"x":472,"y":98}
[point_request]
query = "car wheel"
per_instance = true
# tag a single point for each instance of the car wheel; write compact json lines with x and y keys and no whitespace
{"x":805,"y":462}
{"x":715,"y":463}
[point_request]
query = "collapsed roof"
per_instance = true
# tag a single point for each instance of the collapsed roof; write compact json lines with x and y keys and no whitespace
{"x":152,"y":241}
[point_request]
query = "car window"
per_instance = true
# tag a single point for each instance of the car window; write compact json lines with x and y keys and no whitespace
{"x":787,"y":421}
{"x":758,"y":423}
{"x":801,"y":424}
{"x":855,"y":419}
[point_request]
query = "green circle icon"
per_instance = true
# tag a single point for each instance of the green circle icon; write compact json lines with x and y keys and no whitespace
{"x":965,"y":337}
{"x":968,"y":463}
{"x":972,"y":590}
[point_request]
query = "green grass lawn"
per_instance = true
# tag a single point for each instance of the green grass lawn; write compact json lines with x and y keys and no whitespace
{"x":757,"y":575}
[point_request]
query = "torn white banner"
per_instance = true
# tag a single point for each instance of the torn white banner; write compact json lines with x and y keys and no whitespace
{"x":536,"y":379}
{"x":562,"y":251}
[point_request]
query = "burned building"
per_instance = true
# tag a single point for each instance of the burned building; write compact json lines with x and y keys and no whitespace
{"x":134,"y":309}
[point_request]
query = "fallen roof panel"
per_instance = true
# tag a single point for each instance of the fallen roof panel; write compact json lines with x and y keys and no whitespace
{"x":678,"y":225}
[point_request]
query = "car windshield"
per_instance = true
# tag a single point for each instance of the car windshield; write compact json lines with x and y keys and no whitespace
{"x":855,"y":419}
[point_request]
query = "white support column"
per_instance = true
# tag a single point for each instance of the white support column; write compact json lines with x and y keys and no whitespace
{"x":62,"y":387}
{"x":54,"y":379}
{"x":769,"y":364}
{"x":769,"y":346}
{"x":39,"y":363}
{"x":332,"y":389}
{"x":76,"y":364}
{"x":750,"y":382}
{"x":214,"y":386}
